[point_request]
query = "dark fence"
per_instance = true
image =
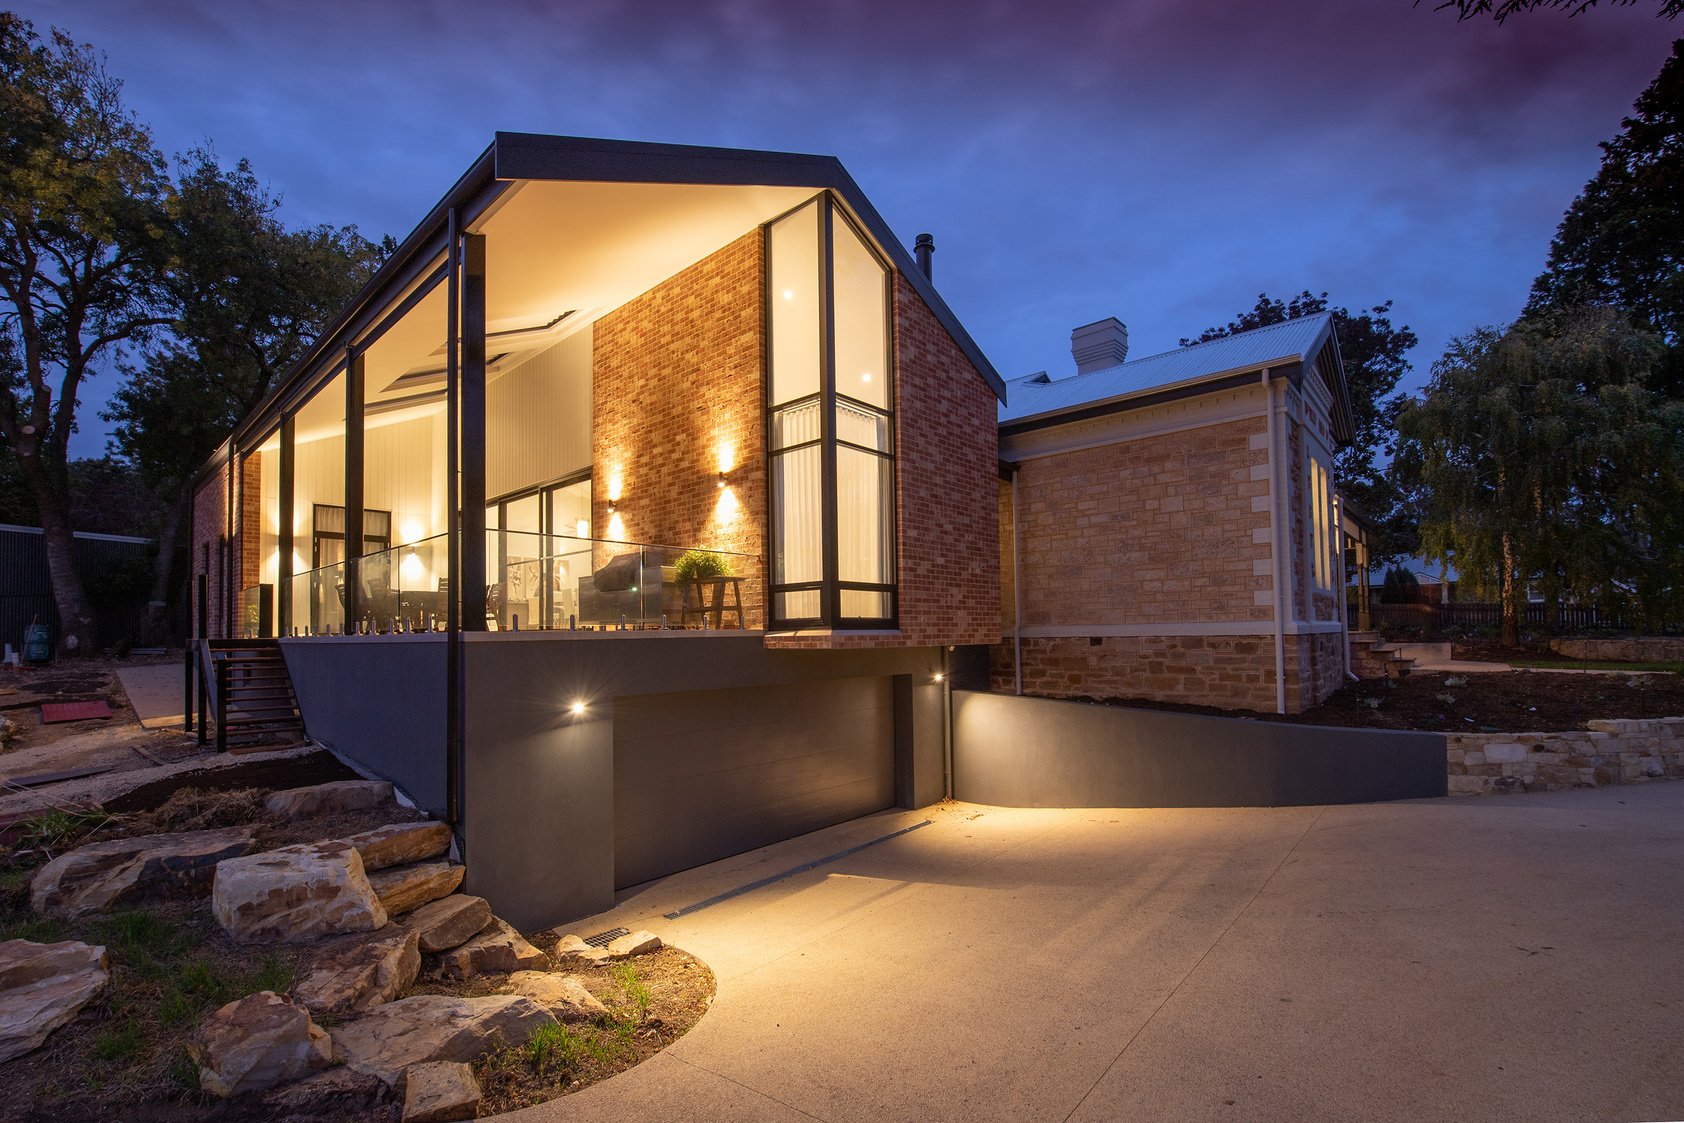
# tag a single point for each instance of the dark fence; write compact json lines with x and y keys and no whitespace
{"x":116,"y":572}
{"x":1488,"y":617}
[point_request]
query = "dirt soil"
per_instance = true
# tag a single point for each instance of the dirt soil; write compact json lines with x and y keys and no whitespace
{"x":1504,"y":702}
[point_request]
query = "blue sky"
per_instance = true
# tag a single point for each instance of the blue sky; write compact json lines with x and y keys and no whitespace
{"x":1163,"y":162}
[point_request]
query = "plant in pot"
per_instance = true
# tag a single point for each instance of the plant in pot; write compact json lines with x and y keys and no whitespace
{"x":696,"y":572}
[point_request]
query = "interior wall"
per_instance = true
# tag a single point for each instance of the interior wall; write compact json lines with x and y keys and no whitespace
{"x":538,"y":418}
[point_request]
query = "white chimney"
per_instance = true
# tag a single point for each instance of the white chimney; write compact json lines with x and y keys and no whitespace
{"x":1099,"y":345}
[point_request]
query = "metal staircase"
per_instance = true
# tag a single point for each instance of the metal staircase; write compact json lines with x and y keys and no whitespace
{"x":249,"y":694}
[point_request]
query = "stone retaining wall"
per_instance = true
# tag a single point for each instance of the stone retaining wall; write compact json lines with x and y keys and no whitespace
{"x":1619,"y":751}
{"x":1641,"y":649}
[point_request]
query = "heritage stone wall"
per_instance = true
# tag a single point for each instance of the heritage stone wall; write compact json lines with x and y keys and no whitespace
{"x":1225,"y":671}
{"x":1617,"y":751}
{"x":1639,"y":649}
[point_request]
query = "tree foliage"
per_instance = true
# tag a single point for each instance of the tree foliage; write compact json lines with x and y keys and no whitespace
{"x":82,"y":256}
{"x":1621,"y":242}
{"x":1375,"y":354}
{"x":1546,"y":458}
{"x":247,"y":296}
{"x":1501,"y":10}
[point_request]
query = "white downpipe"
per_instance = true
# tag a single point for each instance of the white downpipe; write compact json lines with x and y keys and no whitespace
{"x":1277,"y":549}
{"x":1017,"y":595}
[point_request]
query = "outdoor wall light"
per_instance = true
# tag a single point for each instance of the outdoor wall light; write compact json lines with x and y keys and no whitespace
{"x":939,"y":677}
{"x":577,"y":709}
{"x":724,"y":478}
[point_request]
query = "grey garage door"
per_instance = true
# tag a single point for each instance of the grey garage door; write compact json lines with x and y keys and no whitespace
{"x":700,"y":776}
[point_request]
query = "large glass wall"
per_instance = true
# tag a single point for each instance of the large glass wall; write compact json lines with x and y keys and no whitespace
{"x":831,"y":427}
{"x":318,"y":511}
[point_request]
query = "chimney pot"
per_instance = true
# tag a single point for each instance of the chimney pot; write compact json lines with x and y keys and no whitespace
{"x":1102,"y":344}
{"x":924,"y":249}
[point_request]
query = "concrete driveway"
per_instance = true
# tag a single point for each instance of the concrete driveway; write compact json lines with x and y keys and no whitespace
{"x":1499,"y":958}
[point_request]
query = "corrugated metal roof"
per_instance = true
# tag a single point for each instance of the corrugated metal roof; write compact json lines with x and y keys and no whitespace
{"x":1292,"y":341}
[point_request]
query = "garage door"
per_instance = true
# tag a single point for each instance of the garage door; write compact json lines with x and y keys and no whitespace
{"x":701,"y":776}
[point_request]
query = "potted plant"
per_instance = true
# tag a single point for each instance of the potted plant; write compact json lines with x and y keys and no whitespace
{"x":703,"y":575}
{"x":695,"y":564}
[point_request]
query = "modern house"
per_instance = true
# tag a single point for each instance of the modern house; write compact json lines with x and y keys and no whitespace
{"x":628,"y":518}
{"x":1168,"y":527}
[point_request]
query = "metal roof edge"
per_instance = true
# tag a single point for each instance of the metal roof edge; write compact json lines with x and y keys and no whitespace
{"x":1230,"y":376}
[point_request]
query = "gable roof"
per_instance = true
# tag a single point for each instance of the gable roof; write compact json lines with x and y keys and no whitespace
{"x":1292,"y":343}
{"x":529,"y":156}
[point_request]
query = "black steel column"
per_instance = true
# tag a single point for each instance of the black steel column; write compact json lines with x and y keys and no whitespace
{"x":453,"y":536}
{"x":473,"y":432}
{"x":283,"y":535}
{"x":353,"y":486}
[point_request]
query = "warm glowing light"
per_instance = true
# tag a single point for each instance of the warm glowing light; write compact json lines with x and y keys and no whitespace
{"x":939,"y":676}
{"x":789,"y":294}
{"x":412,"y":530}
{"x":726,"y":509}
{"x":616,"y":529}
{"x":577,"y":708}
{"x":412,"y":569}
{"x":582,"y":528}
{"x":865,"y":376}
{"x":727,"y":452}
{"x":616,"y":484}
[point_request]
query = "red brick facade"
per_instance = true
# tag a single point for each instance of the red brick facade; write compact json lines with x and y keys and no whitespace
{"x":210,"y":514}
{"x":677,"y":377}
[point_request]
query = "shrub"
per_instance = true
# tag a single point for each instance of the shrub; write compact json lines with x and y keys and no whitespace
{"x":701,"y":563}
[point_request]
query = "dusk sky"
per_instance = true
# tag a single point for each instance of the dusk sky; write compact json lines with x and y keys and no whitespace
{"x":1163,"y":162}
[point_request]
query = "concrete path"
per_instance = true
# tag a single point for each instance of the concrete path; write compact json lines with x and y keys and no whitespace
{"x":155,"y":691}
{"x":1477,"y":959}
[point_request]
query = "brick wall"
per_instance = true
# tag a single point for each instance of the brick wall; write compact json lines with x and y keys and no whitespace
{"x":946,"y":475}
{"x":1315,"y":668}
{"x":1620,"y":751}
{"x":210,"y":511}
{"x":1157,"y":529}
{"x":248,"y":501}
{"x":1227,"y":671}
{"x":676,"y":375}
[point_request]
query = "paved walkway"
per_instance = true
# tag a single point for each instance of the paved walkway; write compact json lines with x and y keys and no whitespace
{"x":1488,"y":958}
{"x":156,"y":692}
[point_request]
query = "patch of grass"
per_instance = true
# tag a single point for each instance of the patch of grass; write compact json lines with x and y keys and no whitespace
{"x":636,"y":991}
{"x":40,"y":929}
{"x":1580,"y":665}
{"x":119,"y":1043}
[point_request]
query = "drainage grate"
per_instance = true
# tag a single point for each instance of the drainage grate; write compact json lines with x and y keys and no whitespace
{"x":603,"y":939}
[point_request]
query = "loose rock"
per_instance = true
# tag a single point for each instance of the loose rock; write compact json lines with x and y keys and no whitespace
{"x":258,"y":1042}
{"x":122,"y":871}
{"x":43,"y":986}
{"x":408,"y":887}
{"x":401,"y":842}
{"x":333,"y":1093}
{"x":635,"y":943}
{"x":435,"y":1027}
{"x":497,"y":950}
{"x":564,"y":996}
{"x":449,"y":921}
{"x":360,"y":973}
{"x":439,"y":1092}
{"x":323,"y":799}
{"x":570,"y":949}
{"x":295,"y":893}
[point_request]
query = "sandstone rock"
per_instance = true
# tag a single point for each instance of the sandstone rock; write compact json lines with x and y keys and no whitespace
{"x":1505,"y":752}
{"x":258,"y":1042}
{"x":439,"y":1092}
{"x":323,"y":799}
{"x":43,"y":986}
{"x":122,"y":871}
{"x":401,"y":842}
{"x":408,"y":887}
{"x":360,"y":973}
{"x":333,"y":1093}
{"x":634,"y":943}
{"x":435,"y":1027}
{"x":562,"y":995}
{"x":571,"y":949}
{"x":497,"y":950}
{"x":449,"y":921}
{"x":300,"y":892}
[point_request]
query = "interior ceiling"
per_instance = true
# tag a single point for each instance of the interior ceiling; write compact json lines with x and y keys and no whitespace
{"x":575,"y":251}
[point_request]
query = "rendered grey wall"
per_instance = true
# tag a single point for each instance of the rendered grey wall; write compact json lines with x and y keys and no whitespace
{"x":378,"y":700}
{"x":1038,"y":752}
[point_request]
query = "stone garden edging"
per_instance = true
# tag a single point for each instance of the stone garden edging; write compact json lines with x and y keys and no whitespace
{"x":1614,"y":751}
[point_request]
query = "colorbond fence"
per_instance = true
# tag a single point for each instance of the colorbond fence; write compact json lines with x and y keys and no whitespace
{"x":113,"y":571}
{"x":1488,"y":617}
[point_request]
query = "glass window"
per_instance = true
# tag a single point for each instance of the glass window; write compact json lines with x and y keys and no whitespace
{"x":860,"y":287}
{"x":830,"y":423}
{"x":796,"y":305}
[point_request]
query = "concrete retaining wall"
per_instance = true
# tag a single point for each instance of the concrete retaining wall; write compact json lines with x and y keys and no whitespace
{"x":1642,"y":649}
{"x":1039,"y":752}
{"x":1623,"y":751}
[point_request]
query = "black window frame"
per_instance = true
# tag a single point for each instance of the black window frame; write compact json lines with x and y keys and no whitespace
{"x":830,"y":585}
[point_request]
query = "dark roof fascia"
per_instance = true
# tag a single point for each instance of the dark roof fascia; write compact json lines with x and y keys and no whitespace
{"x":533,"y":156}
{"x":1292,"y":371}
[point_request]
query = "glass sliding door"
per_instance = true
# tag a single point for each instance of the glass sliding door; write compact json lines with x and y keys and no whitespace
{"x":830,"y":423}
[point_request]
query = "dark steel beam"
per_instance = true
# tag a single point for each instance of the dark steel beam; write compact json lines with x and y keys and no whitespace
{"x":473,"y":432}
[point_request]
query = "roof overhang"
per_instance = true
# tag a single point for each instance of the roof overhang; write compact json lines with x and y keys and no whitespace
{"x":1248,"y":375}
{"x":516,"y":157}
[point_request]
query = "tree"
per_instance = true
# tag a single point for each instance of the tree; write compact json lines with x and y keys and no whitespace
{"x":1621,"y":242}
{"x":247,"y":295}
{"x":1545,"y":458}
{"x":1375,"y":356}
{"x":1501,"y":10}
{"x":81,"y":243}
